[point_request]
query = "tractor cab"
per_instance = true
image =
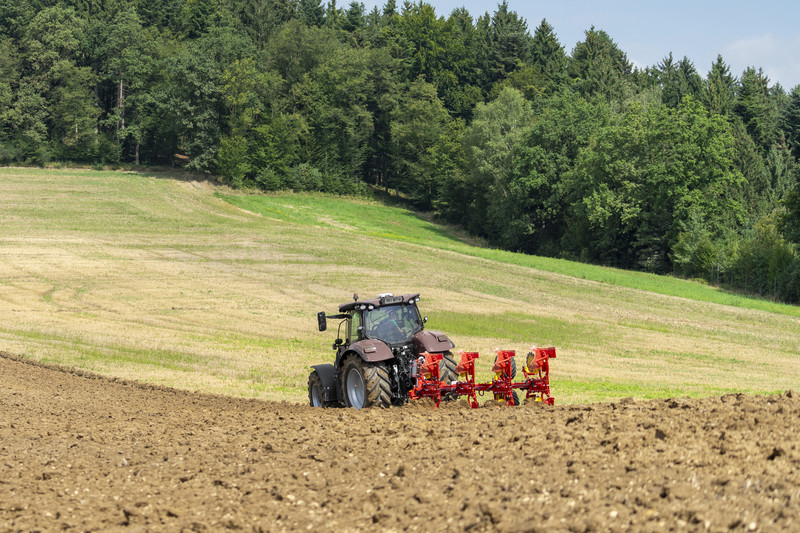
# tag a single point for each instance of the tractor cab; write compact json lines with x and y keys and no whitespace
{"x":393,"y":320}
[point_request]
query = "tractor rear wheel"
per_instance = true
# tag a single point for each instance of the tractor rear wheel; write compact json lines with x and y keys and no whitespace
{"x":447,"y":368}
{"x":448,"y":374}
{"x":365,"y":384}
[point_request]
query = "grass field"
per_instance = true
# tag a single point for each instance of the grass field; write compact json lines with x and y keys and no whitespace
{"x":190,"y":285}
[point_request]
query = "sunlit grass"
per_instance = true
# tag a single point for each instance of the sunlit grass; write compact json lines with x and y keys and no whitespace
{"x":394,"y":223}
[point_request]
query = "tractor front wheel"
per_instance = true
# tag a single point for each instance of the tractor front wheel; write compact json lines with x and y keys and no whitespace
{"x":365,"y":384}
{"x":315,"y":398}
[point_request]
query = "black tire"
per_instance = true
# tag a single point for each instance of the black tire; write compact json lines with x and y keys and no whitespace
{"x":365,"y":384}
{"x":515,"y":396}
{"x":315,"y":398}
{"x":513,"y":370}
{"x":448,"y":374}
{"x":447,"y":368}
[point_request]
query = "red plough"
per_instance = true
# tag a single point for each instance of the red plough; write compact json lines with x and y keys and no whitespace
{"x":536,"y":372}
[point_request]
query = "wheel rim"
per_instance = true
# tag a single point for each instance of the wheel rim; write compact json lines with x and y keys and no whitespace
{"x":316,"y":399}
{"x":355,"y":388}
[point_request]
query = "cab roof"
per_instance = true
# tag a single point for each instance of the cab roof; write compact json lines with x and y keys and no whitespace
{"x":386,"y":300}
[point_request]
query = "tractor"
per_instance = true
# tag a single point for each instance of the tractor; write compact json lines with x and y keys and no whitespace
{"x":378,"y":348}
{"x":385,"y":357}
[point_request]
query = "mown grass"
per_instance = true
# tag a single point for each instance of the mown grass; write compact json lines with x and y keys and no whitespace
{"x":192,"y":285}
{"x":394,"y":223}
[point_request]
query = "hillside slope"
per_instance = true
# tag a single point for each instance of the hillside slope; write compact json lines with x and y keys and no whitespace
{"x":169,"y":282}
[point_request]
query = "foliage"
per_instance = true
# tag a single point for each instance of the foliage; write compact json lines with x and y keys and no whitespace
{"x":599,"y":67}
{"x":478,"y":119}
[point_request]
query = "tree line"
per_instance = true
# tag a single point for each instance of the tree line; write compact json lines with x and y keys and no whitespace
{"x":487,"y":123}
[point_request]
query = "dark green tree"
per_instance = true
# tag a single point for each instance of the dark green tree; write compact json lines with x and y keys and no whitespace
{"x":490,"y":142}
{"x":311,"y":12}
{"x":458,"y":88}
{"x":162,"y":14}
{"x":261,"y":18}
{"x":545,"y":184}
{"x":757,"y":109}
{"x":385,"y":81}
{"x":446,"y":161}
{"x":678,"y":80}
{"x":647,"y":173}
{"x":598,"y":67}
{"x":503,"y":44}
{"x":790,"y":218}
{"x":334,"y":102}
{"x":128,"y":55}
{"x":295,"y":50}
{"x":334,"y":16}
{"x":354,"y":20}
{"x":74,"y":113}
{"x":190,"y":102}
{"x":791,"y":122}
{"x":548,"y":58}
{"x":427,"y":40}
{"x":720,"y":90}
{"x":50,"y":52}
{"x":9,"y":80}
{"x":417,"y":125}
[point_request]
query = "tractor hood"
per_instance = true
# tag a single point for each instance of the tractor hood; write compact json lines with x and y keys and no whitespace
{"x":432,"y":342}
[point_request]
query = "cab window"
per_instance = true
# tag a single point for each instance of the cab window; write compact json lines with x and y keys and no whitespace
{"x":355,"y":322}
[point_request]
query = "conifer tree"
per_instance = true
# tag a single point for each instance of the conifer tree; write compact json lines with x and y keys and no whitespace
{"x":548,"y":57}
{"x":598,"y":66}
{"x":720,"y":91}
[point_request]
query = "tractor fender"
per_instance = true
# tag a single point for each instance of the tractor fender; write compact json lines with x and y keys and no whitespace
{"x":432,"y":342}
{"x":372,"y":350}
{"x":327,"y":375}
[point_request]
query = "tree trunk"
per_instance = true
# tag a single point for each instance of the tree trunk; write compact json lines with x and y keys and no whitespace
{"x":121,"y":106}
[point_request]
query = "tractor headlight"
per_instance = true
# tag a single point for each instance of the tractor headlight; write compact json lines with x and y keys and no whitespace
{"x":371,"y":307}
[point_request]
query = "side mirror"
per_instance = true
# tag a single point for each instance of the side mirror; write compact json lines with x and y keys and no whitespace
{"x":425,"y":320}
{"x":322,"y":321}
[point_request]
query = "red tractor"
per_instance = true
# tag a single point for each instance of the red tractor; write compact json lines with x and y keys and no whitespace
{"x":379,"y":343}
{"x":385,"y":357}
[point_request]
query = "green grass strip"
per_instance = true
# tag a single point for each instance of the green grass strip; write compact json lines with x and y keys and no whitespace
{"x":373,"y":219}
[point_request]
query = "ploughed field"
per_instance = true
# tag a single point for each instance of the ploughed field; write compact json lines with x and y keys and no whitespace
{"x":84,"y":452}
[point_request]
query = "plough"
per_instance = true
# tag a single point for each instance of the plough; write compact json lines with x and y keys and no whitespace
{"x":536,"y":372}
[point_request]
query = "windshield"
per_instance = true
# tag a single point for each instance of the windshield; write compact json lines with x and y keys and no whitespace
{"x":393,"y":324}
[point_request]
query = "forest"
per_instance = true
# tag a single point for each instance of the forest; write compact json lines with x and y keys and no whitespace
{"x":538,"y":146}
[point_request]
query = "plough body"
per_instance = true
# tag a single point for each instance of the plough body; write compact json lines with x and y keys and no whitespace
{"x":536,"y":372}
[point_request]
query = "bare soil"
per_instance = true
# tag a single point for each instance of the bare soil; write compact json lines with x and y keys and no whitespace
{"x":82,"y":452}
